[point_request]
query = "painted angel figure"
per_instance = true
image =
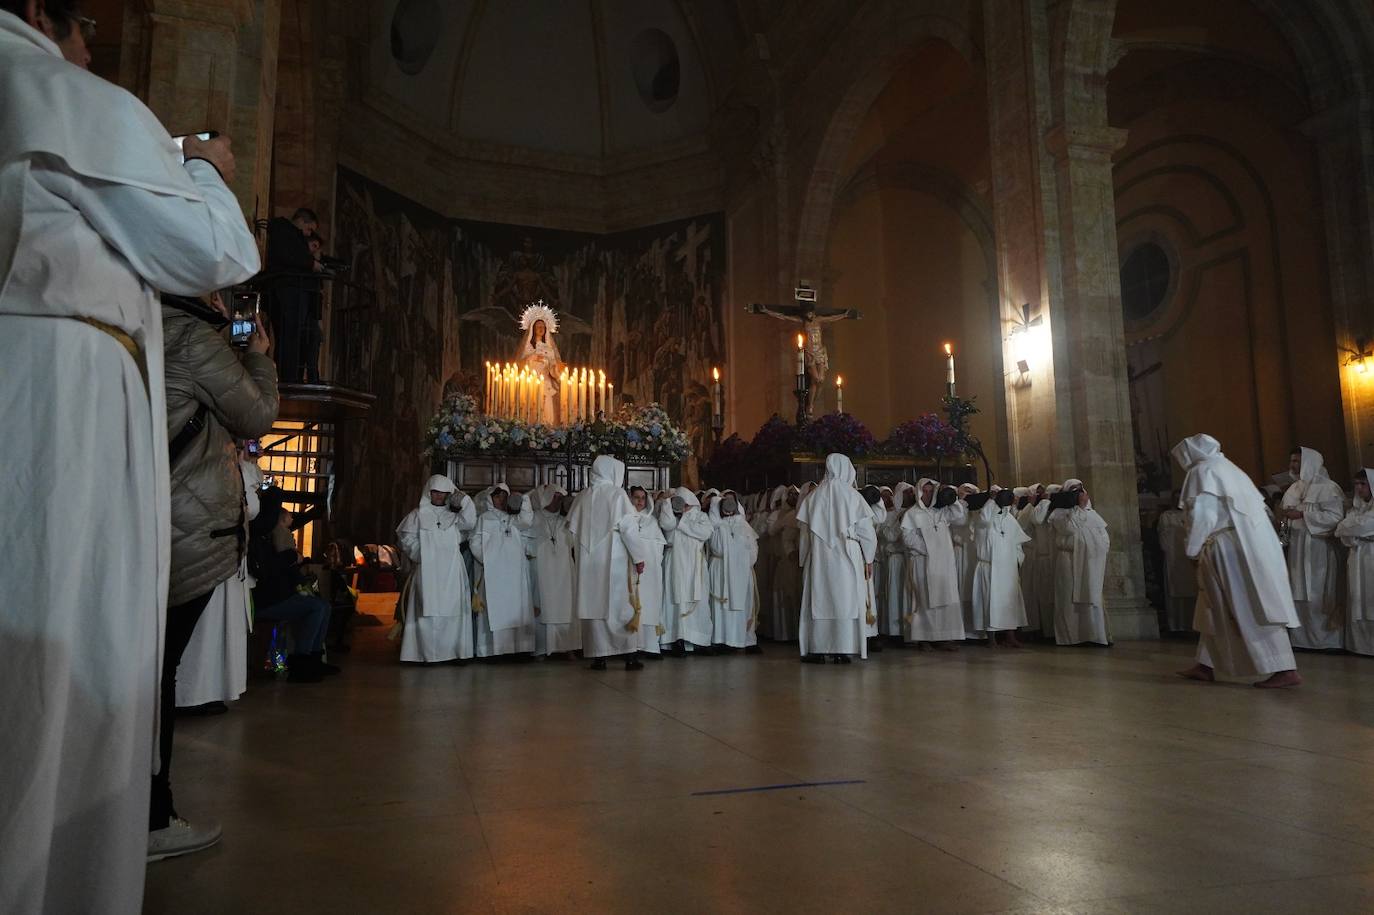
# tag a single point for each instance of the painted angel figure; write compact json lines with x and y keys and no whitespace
{"x":539,"y":354}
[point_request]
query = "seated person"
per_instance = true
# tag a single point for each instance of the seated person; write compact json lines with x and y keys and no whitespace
{"x":275,"y":563}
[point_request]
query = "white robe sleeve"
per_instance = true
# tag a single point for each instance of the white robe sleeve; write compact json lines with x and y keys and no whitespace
{"x":1204,"y":518}
{"x":1322,"y":517}
{"x":467,"y":516}
{"x":409,"y":542}
{"x":634,"y":544}
{"x":867,"y":538}
{"x":476,"y":541}
{"x":176,"y":245}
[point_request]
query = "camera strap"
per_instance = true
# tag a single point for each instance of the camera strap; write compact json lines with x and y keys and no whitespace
{"x":188,"y":432}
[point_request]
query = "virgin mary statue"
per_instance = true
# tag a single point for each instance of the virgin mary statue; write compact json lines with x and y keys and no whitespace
{"x":539,"y":354}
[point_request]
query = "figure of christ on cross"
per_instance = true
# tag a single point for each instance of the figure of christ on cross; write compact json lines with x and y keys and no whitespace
{"x":812,"y":320}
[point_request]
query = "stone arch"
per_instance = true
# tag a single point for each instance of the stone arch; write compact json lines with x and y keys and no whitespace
{"x":882,"y":37}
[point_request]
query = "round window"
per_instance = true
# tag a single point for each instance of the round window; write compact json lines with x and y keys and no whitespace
{"x":415,"y":29}
{"x":656,"y":68}
{"x":1145,"y":276}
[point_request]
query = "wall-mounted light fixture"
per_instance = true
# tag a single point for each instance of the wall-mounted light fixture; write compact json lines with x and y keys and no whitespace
{"x":1360,"y":356}
{"x":1023,"y":334}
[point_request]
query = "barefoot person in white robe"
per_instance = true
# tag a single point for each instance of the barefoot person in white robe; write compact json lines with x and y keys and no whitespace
{"x":686,"y":528}
{"x":1081,"y":542}
{"x":610,"y":560}
{"x":98,"y":212}
{"x":1245,"y":606}
{"x":895,"y":608}
{"x":732,"y":550}
{"x":838,"y":544}
{"x":214,"y":667}
{"x":557,"y":630}
{"x":998,"y":547}
{"x":1314,"y":505}
{"x":650,"y":584}
{"x":505,"y":617}
{"x":935,"y":617}
{"x":436,"y":603}
{"x":1180,"y":572}
{"x":1356,"y":531}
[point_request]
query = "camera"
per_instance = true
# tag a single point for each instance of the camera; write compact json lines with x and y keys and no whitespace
{"x":203,"y":135}
{"x":244,"y":310}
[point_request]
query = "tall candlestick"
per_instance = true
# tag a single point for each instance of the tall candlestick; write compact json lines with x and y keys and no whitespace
{"x":801,"y":355}
{"x":486,"y":392}
{"x":610,"y":392}
{"x":717,"y":395}
{"x":839,"y":394}
{"x":581,"y":395}
{"x":949,"y":368}
{"x":601,"y":393}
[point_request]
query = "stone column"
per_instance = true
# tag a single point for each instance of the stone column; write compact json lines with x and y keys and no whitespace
{"x":1055,"y":220}
{"x":212,"y":65}
{"x":1344,"y":137}
{"x":1091,"y":364}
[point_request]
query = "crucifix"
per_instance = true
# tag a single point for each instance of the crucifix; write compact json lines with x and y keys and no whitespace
{"x":816,"y":359}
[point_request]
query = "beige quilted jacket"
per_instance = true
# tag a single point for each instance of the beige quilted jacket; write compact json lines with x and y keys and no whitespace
{"x":240,"y":390}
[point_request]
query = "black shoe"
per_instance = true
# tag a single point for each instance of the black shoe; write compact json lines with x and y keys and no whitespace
{"x":634,"y":664}
{"x":325,"y":668}
{"x":303,"y":668}
{"x":813,"y":659}
{"x":875,"y":644}
{"x":754,"y":649}
{"x":677,"y":651}
{"x":843,"y":659}
{"x":598,"y":664}
{"x":203,"y":711}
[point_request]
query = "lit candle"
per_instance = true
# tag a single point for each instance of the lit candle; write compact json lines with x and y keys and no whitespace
{"x":839,"y":394}
{"x":601,"y":394}
{"x":949,"y":368}
{"x":562,"y":397}
{"x":801,"y":355}
{"x":496,"y":388}
{"x":581,"y":394}
{"x":717,"y":395}
{"x":486,"y":399}
{"x":610,"y":392}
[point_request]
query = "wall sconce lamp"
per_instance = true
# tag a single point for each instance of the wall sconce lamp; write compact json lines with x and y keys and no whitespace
{"x":1360,"y":356}
{"x":1020,"y":337}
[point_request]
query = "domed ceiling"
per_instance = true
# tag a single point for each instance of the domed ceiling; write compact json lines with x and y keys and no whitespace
{"x":589,"y":78}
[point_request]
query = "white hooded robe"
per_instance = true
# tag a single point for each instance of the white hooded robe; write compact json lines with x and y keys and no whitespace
{"x":1245,"y":600}
{"x":649,"y":585}
{"x":1356,"y":531}
{"x":685,"y":595}
{"x":505,"y":624}
{"x":436,"y":603}
{"x":998,"y":548}
{"x":608,"y":547}
{"x":1314,"y":560}
{"x":557,"y":627}
{"x":97,"y":213}
{"x":932,"y":573}
{"x":732,"y":550}
{"x":837,"y":543}
{"x":1081,"y":544}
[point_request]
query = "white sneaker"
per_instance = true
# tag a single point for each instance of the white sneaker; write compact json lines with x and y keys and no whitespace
{"x":181,"y":838}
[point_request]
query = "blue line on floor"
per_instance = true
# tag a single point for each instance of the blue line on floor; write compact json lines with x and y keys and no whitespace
{"x":846,"y":781}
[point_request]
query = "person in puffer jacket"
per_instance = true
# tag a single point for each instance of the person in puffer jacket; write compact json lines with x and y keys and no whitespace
{"x":214,"y":395}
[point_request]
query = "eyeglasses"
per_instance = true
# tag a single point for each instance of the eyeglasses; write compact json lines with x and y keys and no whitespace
{"x":87,"y":26}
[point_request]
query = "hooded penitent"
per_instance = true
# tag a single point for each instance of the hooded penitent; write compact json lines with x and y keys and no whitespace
{"x":830,"y":514}
{"x":1211,"y":473}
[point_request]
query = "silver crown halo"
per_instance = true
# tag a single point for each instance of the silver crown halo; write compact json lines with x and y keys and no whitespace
{"x":539,"y":312}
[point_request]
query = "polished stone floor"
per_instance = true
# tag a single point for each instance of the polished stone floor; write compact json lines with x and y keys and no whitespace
{"x":1045,"y":780}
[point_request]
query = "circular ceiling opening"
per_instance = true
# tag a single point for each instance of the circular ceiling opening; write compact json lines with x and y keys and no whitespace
{"x":656,"y":68}
{"x":415,"y":29}
{"x":1145,"y":276}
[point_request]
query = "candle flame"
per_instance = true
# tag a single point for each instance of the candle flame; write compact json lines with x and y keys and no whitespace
{"x":603,"y":376}
{"x":839,"y":381}
{"x":715,"y":374}
{"x":949,"y":349}
{"x":801,"y":340}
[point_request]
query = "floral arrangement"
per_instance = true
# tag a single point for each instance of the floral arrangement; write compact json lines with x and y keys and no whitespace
{"x":836,"y":433}
{"x":728,"y":461}
{"x":926,"y":436}
{"x":773,"y":443}
{"x":644,"y":434}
